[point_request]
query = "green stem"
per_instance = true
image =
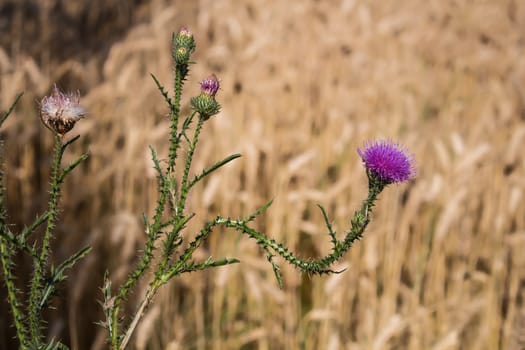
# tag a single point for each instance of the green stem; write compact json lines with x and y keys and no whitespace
{"x":188,"y":253}
{"x":180,"y":220}
{"x":6,"y":253}
{"x":41,"y":263}
{"x":180,"y":74}
{"x":322,"y":265}
{"x":5,"y":256}
{"x":189,"y":159}
{"x":154,"y":230}
{"x":147,"y":256}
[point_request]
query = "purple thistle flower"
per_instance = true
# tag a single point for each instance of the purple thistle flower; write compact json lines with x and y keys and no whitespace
{"x":60,"y":111}
{"x":389,"y":161}
{"x":210,"y":85}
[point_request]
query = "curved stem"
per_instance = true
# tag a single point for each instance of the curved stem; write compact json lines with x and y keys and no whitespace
{"x":358,"y":225}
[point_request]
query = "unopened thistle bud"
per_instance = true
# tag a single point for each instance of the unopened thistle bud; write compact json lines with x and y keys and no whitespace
{"x":60,"y":111}
{"x":184,"y":45}
{"x":205,"y":103}
{"x":182,"y":55}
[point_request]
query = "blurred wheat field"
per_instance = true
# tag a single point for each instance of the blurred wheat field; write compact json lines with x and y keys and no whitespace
{"x":303,"y":84}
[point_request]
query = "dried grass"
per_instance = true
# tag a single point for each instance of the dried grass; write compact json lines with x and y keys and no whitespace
{"x":303,"y":84}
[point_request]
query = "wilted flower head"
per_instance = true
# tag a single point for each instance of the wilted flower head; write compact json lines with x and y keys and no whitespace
{"x":210,"y":85}
{"x":389,"y":161}
{"x":60,"y":111}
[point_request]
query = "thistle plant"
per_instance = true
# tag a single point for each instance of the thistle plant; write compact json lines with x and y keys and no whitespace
{"x":169,"y":250}
{"x":59,"y":112}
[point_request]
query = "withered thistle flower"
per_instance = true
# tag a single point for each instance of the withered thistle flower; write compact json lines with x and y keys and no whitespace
{"x":60,"y":111}
{"x":388,"y":161}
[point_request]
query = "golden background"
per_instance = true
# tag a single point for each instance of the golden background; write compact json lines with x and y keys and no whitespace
{"x":303,"y":83}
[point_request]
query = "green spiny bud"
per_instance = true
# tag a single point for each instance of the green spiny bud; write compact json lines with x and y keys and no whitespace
{"x":182,"y":55}
{"x":205,"y":103}
{"x":184,"y":45}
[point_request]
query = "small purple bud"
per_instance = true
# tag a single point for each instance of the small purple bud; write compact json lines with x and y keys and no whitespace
{"x":184,"y":31}
{"x":389,"y":161}
{"x":210,"y":85}
{"x":60,"y":111}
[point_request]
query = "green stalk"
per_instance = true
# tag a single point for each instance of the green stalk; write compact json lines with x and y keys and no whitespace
{"x":169,"y":244}
{"x":180,"y":74}
{"x":189,"y":159}
{"x":181,"y":203}
{"x":5,"y":256}
{"x":6,"y":251}
{"x":358,"y":225}
{"x":143,"y":264}
{"x":174,"y":142}
{"x":41,"y":263}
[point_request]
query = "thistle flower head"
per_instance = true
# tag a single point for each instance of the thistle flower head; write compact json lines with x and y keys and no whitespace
{"x":205,"y":104}
{"x":388,"y":161}
{"x":210,"y":85}
{"x":60,"y":111}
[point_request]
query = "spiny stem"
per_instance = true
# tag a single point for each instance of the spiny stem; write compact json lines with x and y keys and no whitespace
{"x":6,"y":251}
{"x":174,"y":141}
{"x":180,"y":219}
{"x":189,"y":159}
{"x":147,"y":255}
{"x":41,"y":263}
{"x":321,"y":265}
{"x":11,"y":108}
{"x":188,"y":253}
{"x":180,"y":73}
{"x":5,"y":256}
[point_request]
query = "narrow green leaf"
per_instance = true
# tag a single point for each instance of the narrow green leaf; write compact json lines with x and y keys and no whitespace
{"x":258,"y":211}
{"x":55,"y":345}
{"x":68,"y":143}
{"x":222,"y":262}
{"x":276,"y":271}
{"x":156,"y":165}
{"x":18,"y":242}
{"x":162,"y":90}
{"x":57,"y":275}
{"x":71,"y":166}
{"x":192,"y":267}
{"x":212,"y":168}
{"x":39,"y":220}
{"x":10,"y":110}
{"x":331,"y":232}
